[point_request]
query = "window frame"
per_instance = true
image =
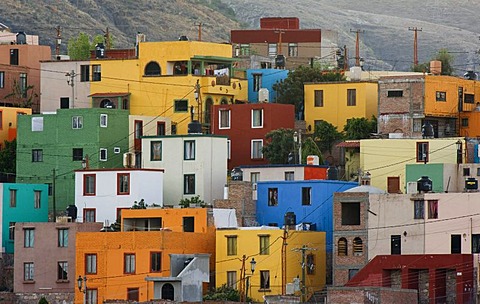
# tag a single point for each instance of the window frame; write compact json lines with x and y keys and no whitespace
{"x":351,"y":97}
{"x":84,"y":73}
{"x":186,"y":224}
{"x":37,"y":155}
{"x":432,"y":209}
{"x":342,"y":247}
{"x":13,"y":198}
{"x":232,"y":245}
{"x":62,"y":273}
{"x":103,"y":155}
{"x":318,"y":98}
{"x":232,"y":279}
{"x":133,"y":294}
{"x":293,"y":49}
{"x":96,"y":72}
{"x":422,"y":147}
{"x":306,"y":196}
{"x":264,"y":280}
{"x":156,"y":265}
{"x":161,"y":128}
{"x":123,"y":183}
{"x":62,"y":237}
{"x":77,"y":122}
{"x":289,"y":175}
{"x":87,"y":214}
{"x":394,"y":93}
{"x":419,"y":209}
{"x":2,"y":79}
{"x":255,"y":124}
{"x":258,"y":153}
{"x":28,"y":237}
{"x":92,"y":295}
{"x":77,"y":154}
{"x":177,"y":108}
{"x":129,"y":263}
{"x":37,"y":199}
{"x":227,"y":124}
{"x":357,"y":246}
{"x":103,"y":120}
{"x":264,"y":244}
{"x":28,"y":272}
{"x":86,"y":187}
{"x":440,"y":96}
{"x":189,"y":147}
{"x":257,"y":82}
{"x":156,"y":150}
{"x":91,"y":261}
{"x":272,"y":197}
{"x":272,"y":49}
{"x":310,"y":264}
{"x":188,"y":179}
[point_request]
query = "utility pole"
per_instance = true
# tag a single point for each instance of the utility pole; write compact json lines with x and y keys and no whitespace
{"x":345,"y":58}
{"x":284,"y":259}
{"x":107,"y":39}
{"x":199,"y":24}
{"x":58,"y":42}
{"x":415,"y":48}
{"x":71,"y":81}
{"x":279,"y":32}
{"x":357,"y":46}
{"x":304,"y":269}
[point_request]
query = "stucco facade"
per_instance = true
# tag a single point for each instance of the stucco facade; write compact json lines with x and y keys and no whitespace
{"x":263,"y":79}
{"x":194,"y":165}
{"x":8,"y":122}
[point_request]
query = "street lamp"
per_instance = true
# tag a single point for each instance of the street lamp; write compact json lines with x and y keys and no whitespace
{"x":82,"y":287}
{"x":252,"y":265}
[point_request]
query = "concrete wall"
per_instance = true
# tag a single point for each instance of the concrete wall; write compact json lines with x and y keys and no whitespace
{"x":348,"y":295}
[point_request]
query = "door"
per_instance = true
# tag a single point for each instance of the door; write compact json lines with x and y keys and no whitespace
{"x":393,"y":184}
{"x":396,"y":244}
{"x":168,"y":292}
{"x":138,"y":133}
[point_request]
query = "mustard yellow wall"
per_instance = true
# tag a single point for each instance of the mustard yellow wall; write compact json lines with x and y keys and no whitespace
{"x":8,"y":122}
{"x":110,"y":281}
{"x":335,"y":109}
{"x":385,"y":158}
{"x":154,"y":96}
{"x":248,"y":244}
{"x":171,"y":218}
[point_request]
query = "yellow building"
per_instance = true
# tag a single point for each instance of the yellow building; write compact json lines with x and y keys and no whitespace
{"x":237,"y":247}
{"x":8,"y":122}
{"x":336,"y":102}
{"x":167,"y":79}
{"x":385,"y":159}
{"x":117,"y":265}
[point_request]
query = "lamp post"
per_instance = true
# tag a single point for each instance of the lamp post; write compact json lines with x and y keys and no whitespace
{"x":244,"y":285}
{"x":249,"y":283}
{"x":82,"y":287}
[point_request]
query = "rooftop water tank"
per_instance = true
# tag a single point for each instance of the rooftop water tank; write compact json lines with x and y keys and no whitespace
{"x":424,"y":184}
{"x":194,"y":127}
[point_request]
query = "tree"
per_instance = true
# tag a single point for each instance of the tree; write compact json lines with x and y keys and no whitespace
{"x":325,"y":135}
{"x":279,"y":144}
{"x":8,"y":157}
{"x":309,"y":147}
{"x":79,"y":48}
{"x":447,"y":59}
{"x":223,"y":293}
{"x":290,"y":90}
{"x":360,"y":128}
{"x":26,"y":95}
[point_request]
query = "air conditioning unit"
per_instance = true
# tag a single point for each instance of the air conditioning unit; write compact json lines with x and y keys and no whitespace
{"x":129,"y":160}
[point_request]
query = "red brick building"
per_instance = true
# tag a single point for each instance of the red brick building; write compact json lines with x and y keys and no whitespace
{"x":246,"y":126}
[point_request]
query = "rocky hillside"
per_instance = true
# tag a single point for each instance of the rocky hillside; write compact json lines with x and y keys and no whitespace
{"x":386,"y":41}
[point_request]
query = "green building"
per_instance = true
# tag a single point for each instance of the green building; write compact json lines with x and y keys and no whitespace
{"x":50,"y":147}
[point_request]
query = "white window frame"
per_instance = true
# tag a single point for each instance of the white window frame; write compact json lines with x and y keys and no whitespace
{"x":272,"y":49}
{"x":106,"y":154}
{"x":103,"y":120}
{"x":220,"y":121}
{"x":254,"y":126}
{"x":29,"y":238}
{"x":252,"y":146}
{"x":28,"y":271}
{"x":189,"y":147}
{"x":77,"y":122}
{"x":2,"y":79}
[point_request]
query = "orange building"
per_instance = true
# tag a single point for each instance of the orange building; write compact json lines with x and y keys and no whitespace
{"x":118,"y":265}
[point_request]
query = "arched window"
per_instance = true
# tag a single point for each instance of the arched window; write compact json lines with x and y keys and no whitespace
{"x":342,"y":247}
{"x":152,"y":69}
{"x":357,"y":246}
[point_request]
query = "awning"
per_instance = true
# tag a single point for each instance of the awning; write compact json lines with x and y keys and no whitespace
{"x":107,"y":95}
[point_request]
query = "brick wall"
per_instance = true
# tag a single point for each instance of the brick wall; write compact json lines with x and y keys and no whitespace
{"x":240,"y":198}
{"x":347,"y":295}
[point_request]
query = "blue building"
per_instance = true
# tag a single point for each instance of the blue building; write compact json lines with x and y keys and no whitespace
{"x":20,"y":203}
{"x":310,"y":200}
{"x":263,"y":78}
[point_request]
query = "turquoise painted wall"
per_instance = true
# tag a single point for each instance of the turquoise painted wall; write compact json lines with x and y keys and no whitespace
{"x":433,"y":171}
{"x":57,"y":141}
{"x":24,"y":210}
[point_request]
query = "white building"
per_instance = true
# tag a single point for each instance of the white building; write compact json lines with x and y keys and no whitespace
{"x":101,"y":194}
{"x":194,"y":164}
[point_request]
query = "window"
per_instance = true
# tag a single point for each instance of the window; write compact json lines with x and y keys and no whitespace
{"x":464,"y":122}
{"x":62,"y":271}
{"x":155,"y":150}
{"x":350,"y":213}
{"x":181,"y":105}
{"x":422,"y":152}
{"x":155,"y":261}
{"x":13,"y":198}
{"x":89,"y":215}
{"x":11,"y":231}
{"x":89,"y":184}
{"x":231,"y":245}
{"x":37,"y":197}
{"x":160,"y":128}
{"x":264,"y":244}
{"x":2,"y":80}
{"x":92,"y":296}
{"x":132,"y":294}
{"x":173,"y":128}
{"x":97,"y":72}
{"x":37,"y":124}
{"x":257,"y":82}
{"x":189,"y":184}
{"x":257,"y":146}
{"x":62,"y":237}
{"x":357,"y":246}
{"x":103,"y":154}
{"x":28,"y":237}
{"x":342,"y":247}
{"x":466,"y":171}
{"x":441,"y":96}
{"x":272,"y":49}
{"x":77,"y":154}
{"x":28,"y":271}
{"x":469,"y":98}
{"x":129,"y":263}
{"x":418,"y":209}
{"x":318,"y":98}
{"x":123,"y":183}
{"x":395,"y":93}
{"x":224,"y":119}
{"x":232,"y":279}
{"x":290,"y":175}
{"x":264,"y":279}
{"x":84,"y":73}
{"x":306,"y":196}
{"x":310,"y":263}
{"x":272,"y":196}
{"x":396,"y":244}
{"x":257,"y":118}
{"x":77,"y":122}
{"x":475,"y":243}
{"x":37,"y":155}
{"x":103,"y":120}
{"x":152,"y":69}
{"x":13,"y":56}
{"x":245,"y":49}
{"x":433,"y":209}
{"x":189,"y":150}
{"x":351,"y":97}
{"x":478,"y":171}
{"x":229,"y":149}
{"x":292,"y":49}
{"x":254,"y":177}
{"x":90,"y":263}
{"x":455,"y":243}
{"x":188,"y":224}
